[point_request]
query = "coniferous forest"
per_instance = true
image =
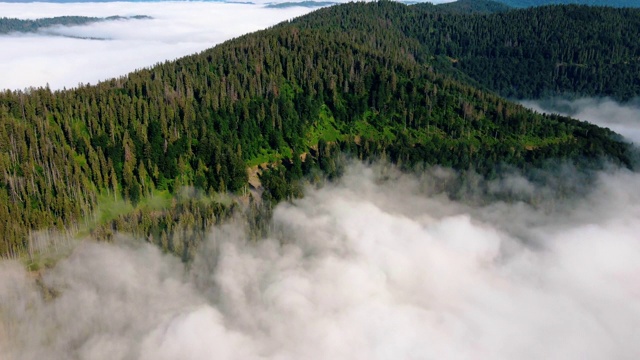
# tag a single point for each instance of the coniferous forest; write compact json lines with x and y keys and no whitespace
{"x":530,"y":3}
{"x":165,"y":152}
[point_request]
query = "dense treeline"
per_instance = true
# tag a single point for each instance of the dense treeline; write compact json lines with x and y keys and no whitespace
{"x":532,"y":53}
{"x":543,"y":51}
{"x":117,"y":156}
{"x":471,"y":7}
{"x":531,"y":3}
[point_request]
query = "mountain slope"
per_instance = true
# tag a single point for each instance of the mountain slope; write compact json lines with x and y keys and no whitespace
{"x":542,"y":51}
{"x":472,"y":7}
{"x":531,"y":53}
{"x":532,"y":3}
{"x":298,"y":90}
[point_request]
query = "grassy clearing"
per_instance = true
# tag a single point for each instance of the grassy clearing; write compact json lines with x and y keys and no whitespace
{"x":265,"y":156}
{"x":324,"y":128}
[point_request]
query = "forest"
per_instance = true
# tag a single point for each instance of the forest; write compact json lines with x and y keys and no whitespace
{"x":532,"y":3}
{"x":469,"y":7}
{"x":533,"y":53}
{"x":163,"y":153}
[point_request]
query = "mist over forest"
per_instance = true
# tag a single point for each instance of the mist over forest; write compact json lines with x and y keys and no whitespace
{"x":377,"y":265}
{"x":622,"y":118}
{"x":348,"y":184}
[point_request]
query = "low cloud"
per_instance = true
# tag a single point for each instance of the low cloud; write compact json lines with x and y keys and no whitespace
{"x":177,"y":29}
{"x":622,"y":118}
{"x":381,"y":265}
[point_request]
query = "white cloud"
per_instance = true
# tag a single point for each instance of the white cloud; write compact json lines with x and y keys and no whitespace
{"x":177,"y":29}
{"x":363,"y":269}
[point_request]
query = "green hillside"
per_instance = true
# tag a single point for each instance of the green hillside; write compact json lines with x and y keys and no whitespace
{"x":531,"y":53}
{"x":472,"y":7}
{"x":532,"y":3}
{"x":156,"y":152}
{"x":542,"y":51}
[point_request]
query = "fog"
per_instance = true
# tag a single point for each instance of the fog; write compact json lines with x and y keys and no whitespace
{"x":376,"y":266}
{"x":605,"y":112}
{"x":177,"y":29}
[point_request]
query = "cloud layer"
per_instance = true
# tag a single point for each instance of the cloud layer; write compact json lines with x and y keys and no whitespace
{"x":378,"y":266}
{"x":177,"y":29}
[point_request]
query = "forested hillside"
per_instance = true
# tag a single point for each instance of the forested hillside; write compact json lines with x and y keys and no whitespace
{"x":531,"y":53}
{"x":356,"y":78}
{"x":531,"y":3}
{"x":472,"y":7}
{"x":542,"y":51}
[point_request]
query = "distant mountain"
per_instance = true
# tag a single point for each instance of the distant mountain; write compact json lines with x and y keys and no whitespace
{"x":8,"y":25}
{"x":309,"y":4}
{"x":531,"y":3}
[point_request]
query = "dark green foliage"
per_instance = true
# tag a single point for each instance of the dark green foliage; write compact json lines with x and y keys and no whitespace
{"x":471,"y":7}
{"x":310,"y":4}
{"x":532,"y":53}
{"x":531,"y":3}
{"x":542,"y":51}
